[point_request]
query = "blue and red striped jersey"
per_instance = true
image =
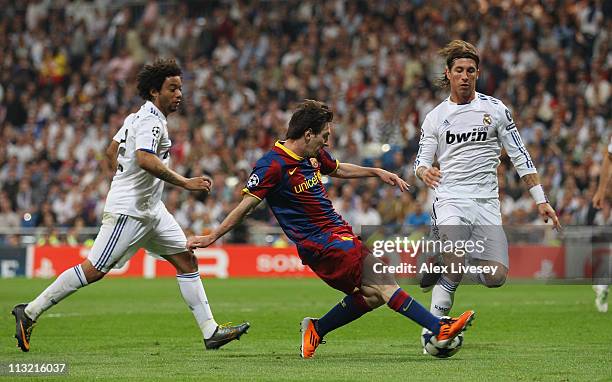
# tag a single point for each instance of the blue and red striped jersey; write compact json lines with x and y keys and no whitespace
{"x":294,"y":191}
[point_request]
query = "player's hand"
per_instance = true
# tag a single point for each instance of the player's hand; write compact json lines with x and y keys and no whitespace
{"x":431,"y":177}
{"x":200,"y":183}
{"x":598,"y":199}
{"x":200,"y":241}
{"x":547,"y":212}
{"x":209,"y":180}
{"x":393,"y":180}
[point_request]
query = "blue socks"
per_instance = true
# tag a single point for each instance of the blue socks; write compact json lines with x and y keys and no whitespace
{"x":405,"y":305}
{"x":349,"y":309}
{"x":354,"y":306}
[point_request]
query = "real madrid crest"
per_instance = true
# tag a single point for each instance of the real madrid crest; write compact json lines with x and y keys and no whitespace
{"x":487,"y":120}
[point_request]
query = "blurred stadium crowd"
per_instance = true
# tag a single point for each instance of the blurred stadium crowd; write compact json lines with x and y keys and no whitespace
{"x":68,"y":80}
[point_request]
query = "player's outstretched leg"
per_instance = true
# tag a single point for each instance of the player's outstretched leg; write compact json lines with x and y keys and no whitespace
{"x":445,"y":329}
{"x":66,"y":284}
{"x":383,"y":286}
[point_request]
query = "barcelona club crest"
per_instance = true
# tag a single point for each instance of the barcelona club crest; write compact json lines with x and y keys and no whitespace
{"x":314,"y":162}
{"x":487,"y":120}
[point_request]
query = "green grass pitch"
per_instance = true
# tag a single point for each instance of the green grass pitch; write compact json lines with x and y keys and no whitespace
{"x":140,"y":329}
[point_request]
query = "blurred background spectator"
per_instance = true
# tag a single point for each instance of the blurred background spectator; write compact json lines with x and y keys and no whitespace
{"x":68,"y":70}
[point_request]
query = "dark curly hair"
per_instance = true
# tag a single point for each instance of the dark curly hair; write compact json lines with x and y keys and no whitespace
{"x":152,"y":76}
{"x":310,"y":114}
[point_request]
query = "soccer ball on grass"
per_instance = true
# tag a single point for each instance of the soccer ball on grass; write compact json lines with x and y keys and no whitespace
{"x":431,"y":346}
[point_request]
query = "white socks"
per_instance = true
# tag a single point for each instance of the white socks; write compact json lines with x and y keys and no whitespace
{"x":601,"y":297}
{"x":193,"y":293}
{"x":73,"y":278}
{"x":66,"y":284}
{"x":442,"y":297}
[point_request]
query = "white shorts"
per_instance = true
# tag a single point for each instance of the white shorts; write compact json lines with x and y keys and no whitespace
{"x":476,"y":220}
{"x":121,"y":236}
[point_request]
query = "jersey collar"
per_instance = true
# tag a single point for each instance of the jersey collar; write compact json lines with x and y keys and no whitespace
{"x":461,"y":104}
{"x":293,"y":155}
{"x":151,"y":108}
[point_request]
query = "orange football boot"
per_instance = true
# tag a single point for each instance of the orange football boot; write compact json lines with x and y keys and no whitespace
{"x":310,"y":338}
{"x":452,"y":327}
{"x":24,"y":327}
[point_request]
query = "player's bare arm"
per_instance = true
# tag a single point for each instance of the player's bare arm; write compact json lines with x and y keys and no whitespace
{"x":537,"y":192}
{"x":234,"y":218}
{"x":604,"y":179}
{"x":431,"y":176}
{"x":531,"y":180}
{"x":111,"y":154}
{"x":152,"y":164}
{"x":349,"y":170}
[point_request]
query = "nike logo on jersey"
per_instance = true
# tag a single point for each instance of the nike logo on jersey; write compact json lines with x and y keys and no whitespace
{"x":292,"y":171}
{"x":468,"y":136}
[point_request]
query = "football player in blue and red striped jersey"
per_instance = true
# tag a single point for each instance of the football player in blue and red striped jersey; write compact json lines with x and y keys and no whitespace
{"x":289,"y":178}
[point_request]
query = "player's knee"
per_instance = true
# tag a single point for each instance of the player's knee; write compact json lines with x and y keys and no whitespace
{"x":97,"y":276}
{"x":385,"y":281}
{"x":385,"y":291}
{"x":185,"y":262}
{"x":373,"y":295}
{"x":495,"y":280}
{"x":91,"y":273}
{"x":192,"y":262}
{"x":374,"y":301}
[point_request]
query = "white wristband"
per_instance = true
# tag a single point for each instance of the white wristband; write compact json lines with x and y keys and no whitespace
{"x":537,"y":193}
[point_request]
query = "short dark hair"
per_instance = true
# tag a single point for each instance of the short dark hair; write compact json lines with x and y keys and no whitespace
{"x":152,"y":76}
{"x":451,"y":52}
{"x":310,"y":114}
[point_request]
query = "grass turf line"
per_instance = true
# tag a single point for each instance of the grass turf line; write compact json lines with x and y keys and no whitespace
{"x":141,"y":329}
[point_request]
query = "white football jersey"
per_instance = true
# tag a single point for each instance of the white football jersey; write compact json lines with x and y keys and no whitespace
{"x":467,"y":139}
{"x":134,"y":191}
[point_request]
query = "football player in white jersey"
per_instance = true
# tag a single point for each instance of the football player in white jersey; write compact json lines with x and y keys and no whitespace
{"x":601,"y":291}
{"x":134,"y":215}
{"x":467,"y":132}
